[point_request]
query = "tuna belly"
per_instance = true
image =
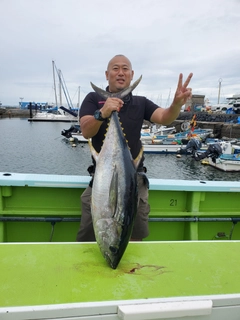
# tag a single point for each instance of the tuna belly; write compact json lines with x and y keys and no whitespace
{"x":114,"y":199}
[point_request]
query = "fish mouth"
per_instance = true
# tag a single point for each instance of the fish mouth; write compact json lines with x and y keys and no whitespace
{"x":112,"y":261}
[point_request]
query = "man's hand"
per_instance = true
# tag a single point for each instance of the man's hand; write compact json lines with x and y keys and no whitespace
{"x":168,"y":115}
{"x":111,"y":104}
{"x":182,"y":92}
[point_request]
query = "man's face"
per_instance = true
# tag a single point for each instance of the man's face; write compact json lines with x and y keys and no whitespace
{"x":119,"y":73}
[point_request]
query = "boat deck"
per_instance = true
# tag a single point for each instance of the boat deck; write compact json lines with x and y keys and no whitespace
{"x":42,"y":274}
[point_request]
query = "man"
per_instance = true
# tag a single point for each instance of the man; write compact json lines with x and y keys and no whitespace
{"x":133,"y":110}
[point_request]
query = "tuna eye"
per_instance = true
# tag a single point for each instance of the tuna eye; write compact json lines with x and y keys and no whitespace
{"x":113,"y":249}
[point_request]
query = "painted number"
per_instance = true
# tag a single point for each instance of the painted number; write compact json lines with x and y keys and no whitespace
{"x":173,"y":202}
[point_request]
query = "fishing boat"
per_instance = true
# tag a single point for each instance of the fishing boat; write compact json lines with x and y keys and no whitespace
{"x":223,"y":155}
{"x":228,"y":160}
{"x":154,"y":130}
{"x":164,"y":148}
{"x":78,"y":137}
{"x":172,"y":143}
{"x":188,"y":266}
{"x":74,"y":134}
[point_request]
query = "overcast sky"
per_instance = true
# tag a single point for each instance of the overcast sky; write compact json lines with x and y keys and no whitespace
{"x":161,"y":37}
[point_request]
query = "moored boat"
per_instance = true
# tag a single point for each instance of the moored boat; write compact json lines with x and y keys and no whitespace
{"x":172,"y":143}
{"x":53,"y":117}
{"x":229,"y":160}
{"x":74,"y":133}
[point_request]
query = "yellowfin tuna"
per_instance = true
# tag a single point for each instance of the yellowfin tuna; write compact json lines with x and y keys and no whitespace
{"x":114,"y":190}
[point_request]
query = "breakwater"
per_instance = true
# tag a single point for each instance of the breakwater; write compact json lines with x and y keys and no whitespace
{"x":223,"y":125}
{"x":14,"y":112}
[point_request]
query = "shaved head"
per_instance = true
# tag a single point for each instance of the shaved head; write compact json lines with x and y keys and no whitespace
{"x":119,"y":56}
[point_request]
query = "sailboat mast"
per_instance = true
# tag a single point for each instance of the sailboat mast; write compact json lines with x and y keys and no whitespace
{"x":54,"y":83}
{"x":60,"y":86}
{"x":78,"y":104}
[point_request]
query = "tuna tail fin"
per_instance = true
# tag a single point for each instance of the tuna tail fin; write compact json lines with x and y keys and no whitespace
{"x":120,"y":94}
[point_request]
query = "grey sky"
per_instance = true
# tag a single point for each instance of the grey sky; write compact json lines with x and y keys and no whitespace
{"x":161,"y":37}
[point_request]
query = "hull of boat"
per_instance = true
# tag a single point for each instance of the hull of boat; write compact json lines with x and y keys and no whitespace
{"x":162,"y":148}
{"x":79,"y":137}
{"x":225,"y":165}
{"x":188,"y":266}
{"x":51,"y":117}
{"x":35,"y":207}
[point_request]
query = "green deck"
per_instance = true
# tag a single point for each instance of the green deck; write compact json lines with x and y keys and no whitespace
{"x":37,"y":274}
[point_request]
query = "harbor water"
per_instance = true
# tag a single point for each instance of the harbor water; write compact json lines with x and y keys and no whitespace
{"x":39,"y":147}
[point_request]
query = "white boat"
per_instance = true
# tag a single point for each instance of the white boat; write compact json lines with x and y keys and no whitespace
{"x":172,"y":143}
{"x":229,"y":160}
{"x":79,"y":137}
{"x":74,"y":134}
{"x":57,"y":117}
{"x":154,"y":131}
{"x":163,"y":148}
{"x":59,"y":114}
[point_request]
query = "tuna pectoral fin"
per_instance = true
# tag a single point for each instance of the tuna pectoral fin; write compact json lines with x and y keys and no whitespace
{"x":138,"y":159}
{"x":113,"y":193}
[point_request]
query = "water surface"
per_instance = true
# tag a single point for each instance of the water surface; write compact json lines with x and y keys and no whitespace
{"x":39,"y":147}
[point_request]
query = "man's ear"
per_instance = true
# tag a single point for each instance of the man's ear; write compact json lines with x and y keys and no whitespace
{"x":106,"y":74}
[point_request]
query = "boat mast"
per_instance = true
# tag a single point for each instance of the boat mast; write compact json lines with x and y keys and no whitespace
{"x":65,"y":90}
{"x":60,"y":87}
{"x":54,"y":83}
{"x":78,"y":104}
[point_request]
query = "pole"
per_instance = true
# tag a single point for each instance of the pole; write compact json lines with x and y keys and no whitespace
{"x":219,"y":89}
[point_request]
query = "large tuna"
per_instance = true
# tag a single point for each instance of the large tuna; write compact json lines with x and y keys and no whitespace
{"x":114,"y":190}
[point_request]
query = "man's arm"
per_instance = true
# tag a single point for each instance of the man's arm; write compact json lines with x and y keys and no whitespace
{"x":90,"y":126}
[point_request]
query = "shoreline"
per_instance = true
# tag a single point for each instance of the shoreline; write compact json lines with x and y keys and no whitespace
{"x":220,"y":128}
{"x":15,"y":113}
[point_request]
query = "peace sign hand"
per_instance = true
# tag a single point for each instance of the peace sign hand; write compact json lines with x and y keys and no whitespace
{"x":182,"y":93}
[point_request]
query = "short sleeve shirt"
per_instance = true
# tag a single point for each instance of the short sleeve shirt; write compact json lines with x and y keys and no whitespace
{"x":135,"y":110}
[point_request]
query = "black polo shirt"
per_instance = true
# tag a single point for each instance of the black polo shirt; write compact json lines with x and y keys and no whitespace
{"x":135,"y":110}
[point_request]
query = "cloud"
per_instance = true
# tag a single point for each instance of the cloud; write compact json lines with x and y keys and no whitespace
{"x":161,"y":38}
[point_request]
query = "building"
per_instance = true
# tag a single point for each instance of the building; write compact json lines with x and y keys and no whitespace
{"x":195,"y":103}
